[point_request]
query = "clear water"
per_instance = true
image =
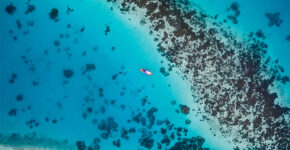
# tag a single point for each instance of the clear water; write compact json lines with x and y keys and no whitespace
{"x":49,"y":95}
{"x":251,"y":19}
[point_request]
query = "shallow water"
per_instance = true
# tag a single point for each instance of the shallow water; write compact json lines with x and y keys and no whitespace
{"x":73,"y":82}
{"x":252,"y":19}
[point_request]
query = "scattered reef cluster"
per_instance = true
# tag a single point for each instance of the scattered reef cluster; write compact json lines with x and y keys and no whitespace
{"x":151,"y":131}
{"x":231,"y":78}
{"x":33,"y":141}
{"x":236,"y":12}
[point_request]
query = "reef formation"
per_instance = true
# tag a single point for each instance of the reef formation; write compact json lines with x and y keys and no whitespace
{"x":231,"y":77}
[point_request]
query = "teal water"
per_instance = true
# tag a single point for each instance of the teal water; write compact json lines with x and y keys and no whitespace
{"x":251,"y":19}
{"x":61,"y":99}
{"x":115,"y":88}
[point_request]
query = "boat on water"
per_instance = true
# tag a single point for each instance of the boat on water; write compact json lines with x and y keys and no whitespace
{"x":146,"y":71}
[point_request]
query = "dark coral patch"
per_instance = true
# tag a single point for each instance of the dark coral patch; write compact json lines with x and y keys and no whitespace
{"x":56,"y":43}
{"x":163,"y":131}
{"x":184,"y":109}
{"x":107,"y":126}
{"x":68,"y":73}
{"x":89,"y":109}
{"x":101,"y":90}
{"x":89,"y":67}
{"x":32,"y":123}
{"x":146,"y":140}
{"x":35,"y":83}
{"x":273,"y":19}
{"x":187,"y":121}
{"x":189,"y":144}
{"x":164,"y":72}
{"x":81,"y":145}
{"x":54,"y":121}
{"x":235,"y":8}
{"x":10,"y":9}
{"x":260,"y":34}
{"x":18,"y":23}
{"x":19,"y":97}
{"x":82,"y":29}
{"x":107,"y":30}
{"x":288,"y":38}
{"x":69,"y":10}
{"x":12,"y":112}
{"x":151,"y":117}
{"x":125,"y":133}
{"x":12,"y":78}
{"x":114,"y":77}
{"x":30,"y":8}
{"x":117,"y":143}
{"x":53,"y":14}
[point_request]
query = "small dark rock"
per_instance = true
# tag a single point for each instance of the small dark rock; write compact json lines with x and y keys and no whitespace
{"x":10,"y":9}
{"x":187,"y":121}
{"x":89,"y":67}
{"x":35,"y":83}
{"x":19,"y":97}
{"x":114,"y":76}
{"x":124,"y":134}
{"x":288,"y":38}
{"x":56,"y":43}
{"x":69,"y":10}
{"x":46,"y":119}
{"x":12,"y":112}
{"x":89,"y":109}
{"x":163,"y":131}
{"x":30,"y":8}
{"x":82,"y":29}
{"x":68,"y":73}
{"x":54,"y":121}
{"x":107,"y":30}
{"x":81,"y":145}
{"x":53,"y":14}
{"x":18,"y":23}
{"x":166,"y":140}
{"x":13,"y":77}
{"x":117,"y":143}
{"x":260,"y":34}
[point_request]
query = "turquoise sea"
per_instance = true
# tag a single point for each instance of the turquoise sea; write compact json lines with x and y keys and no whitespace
{"x":70,"y":76}
{"x":252,"y":18}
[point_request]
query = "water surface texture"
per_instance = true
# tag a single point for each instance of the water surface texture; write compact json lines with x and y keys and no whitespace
{"x":70,"y":74}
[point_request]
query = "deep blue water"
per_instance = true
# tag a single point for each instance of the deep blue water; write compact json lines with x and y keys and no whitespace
{"x":61,"y":80}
